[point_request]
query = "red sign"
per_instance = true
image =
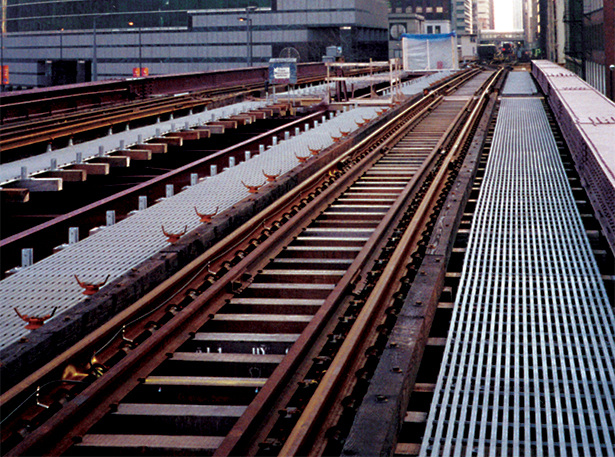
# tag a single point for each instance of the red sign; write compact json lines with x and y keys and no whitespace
{"x":5,"y":74}
{"x":143,"y":71}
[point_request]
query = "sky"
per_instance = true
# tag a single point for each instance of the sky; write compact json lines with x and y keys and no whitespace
{"x":503,"y":15}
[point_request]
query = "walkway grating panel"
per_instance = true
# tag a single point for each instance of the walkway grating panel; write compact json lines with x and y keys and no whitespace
{"x":528,"y":367}
{"x":519,"y":83}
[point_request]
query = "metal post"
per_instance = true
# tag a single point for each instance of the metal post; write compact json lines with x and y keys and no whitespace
{"x":61,"y":40}
{"x":94,"y":53}
{"x":2,"y":57}
{"x":248,"y":21}
{"x":140,"y":67}
{"x":249,"y":25}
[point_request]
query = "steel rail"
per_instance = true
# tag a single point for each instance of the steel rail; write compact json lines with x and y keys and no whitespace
{"x":337,"y":374}
{"x":94,"y":122}
{"x":271,"y":212}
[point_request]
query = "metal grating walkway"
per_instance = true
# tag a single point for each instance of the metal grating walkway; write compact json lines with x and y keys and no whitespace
{"x":519,"y":83}
{"x":529,"y":364}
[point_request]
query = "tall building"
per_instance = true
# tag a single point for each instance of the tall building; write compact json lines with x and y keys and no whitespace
{"x":580,"y":34}
{"x":462,"y":17}
{"x":108,"y":38}
{"x":485,"y":15}
{"x":436,"y":13}
{"x":517,"y":14}
{"x":430,"y":9}
{"x":590,"y":42}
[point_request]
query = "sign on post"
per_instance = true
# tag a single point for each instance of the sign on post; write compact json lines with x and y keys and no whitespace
{"x":283,"y":71}
{"x":5,"y":74}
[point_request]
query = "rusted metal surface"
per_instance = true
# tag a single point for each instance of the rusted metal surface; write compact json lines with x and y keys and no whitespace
{"x":65,"y":99}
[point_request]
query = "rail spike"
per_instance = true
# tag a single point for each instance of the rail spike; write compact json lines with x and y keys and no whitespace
{"x":91,"y":288}
{"x":174,"y":237}
{"x":206,"y":217}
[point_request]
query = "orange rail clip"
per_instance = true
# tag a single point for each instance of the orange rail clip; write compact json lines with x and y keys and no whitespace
{"x":315,"y":151}
{"x":271,"y":178}
{"x":252,"y":189}
{"x":206,"y":217}
{"x":336,"y":139}
{"x":345,"y":133}
{"x":91,"y":289}
{"x":302,"y":159}
{"x":174,"y":237}
{"x":35,"y":322}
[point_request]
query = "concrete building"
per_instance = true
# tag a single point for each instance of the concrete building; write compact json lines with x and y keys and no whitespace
{"x":431,"y":10}
{"x":517,"y":14}
{"x":462,"y":17}
{"x":485,"y":15}
{"x":64,"y":41}
{"x":400,"y":23}
{"x":580,"y":34}
{"x":590,"y":42}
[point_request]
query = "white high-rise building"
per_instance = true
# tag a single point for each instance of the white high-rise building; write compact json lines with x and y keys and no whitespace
{"x":517,"y":12}
{"x":485,"y":15}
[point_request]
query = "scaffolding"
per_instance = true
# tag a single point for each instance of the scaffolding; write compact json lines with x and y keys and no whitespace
{"x":337,"y":76}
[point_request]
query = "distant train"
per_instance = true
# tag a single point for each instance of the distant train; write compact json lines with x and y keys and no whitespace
{"x":487,"y":52}
{"x":508,"y":48}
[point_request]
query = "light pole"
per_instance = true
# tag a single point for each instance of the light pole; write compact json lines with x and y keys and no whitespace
{"x":61,"y":40}
{"x":1,"y":57}
{"x":248,"y":21}
{"x":139,"y":29}
{"x":94,"y":52}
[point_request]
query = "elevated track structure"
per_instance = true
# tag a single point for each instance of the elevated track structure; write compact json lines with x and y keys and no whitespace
{"x":424,"y":277}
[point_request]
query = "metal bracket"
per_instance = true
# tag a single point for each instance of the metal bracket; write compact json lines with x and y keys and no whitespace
{"x":252,"y":189}
{"x":174,"y":237}
{"x":91,"y":288}
{"x":206,"y":217}
{"x":271,"y":178}
{"x":35,"y":322}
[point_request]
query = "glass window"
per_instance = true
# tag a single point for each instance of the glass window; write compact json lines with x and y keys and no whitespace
{"x":29,"y":15}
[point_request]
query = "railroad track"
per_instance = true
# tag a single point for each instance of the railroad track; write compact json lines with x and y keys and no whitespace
{"x":23,"y":139}
{"x":274,"y":318}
